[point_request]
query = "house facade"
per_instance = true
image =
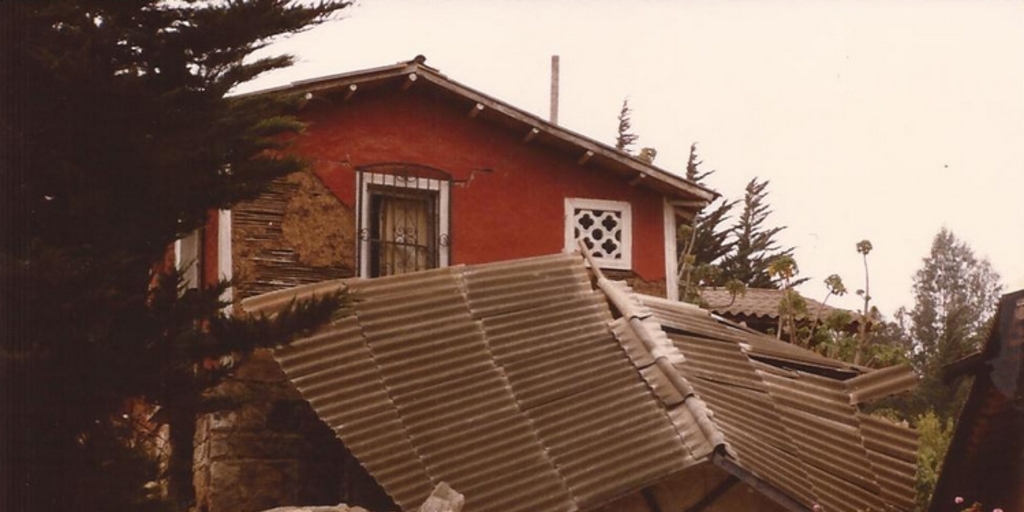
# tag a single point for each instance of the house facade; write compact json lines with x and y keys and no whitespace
{"x":407,"y":171}
{"x":410,"y":170}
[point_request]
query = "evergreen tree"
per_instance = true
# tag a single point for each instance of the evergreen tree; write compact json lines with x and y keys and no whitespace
{"x":118,"y":139}
{"x":624,"y":138}
{"x":756,"y":246}
{"x":955,"y":296}
{"x":711,"y":240}
{"x":703,"y":244}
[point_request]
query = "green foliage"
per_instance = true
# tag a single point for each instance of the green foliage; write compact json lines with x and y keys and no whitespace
{"x":119,"y":139}
{"x":711,"y":241}
{"x":756,"y":246}
{"x":624,"y":138}
{"x":956,"y":295}
{"x":864,"y":248}
{"x":703,"y":244}
{"x":934,"y":436}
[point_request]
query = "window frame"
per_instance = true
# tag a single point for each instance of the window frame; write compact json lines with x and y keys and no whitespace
{"x":625,"y":210}
{"x":188,"y":258}
{"x":371,"y":183}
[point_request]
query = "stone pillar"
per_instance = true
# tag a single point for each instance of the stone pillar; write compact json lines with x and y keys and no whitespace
{"x":262,"y":446}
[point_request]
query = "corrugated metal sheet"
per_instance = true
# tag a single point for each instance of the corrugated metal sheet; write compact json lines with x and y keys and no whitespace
{"x":602,"y":427}
{"x":503,"y":380}
{"x":513,"y":383}
{"x":795,"y":429}
{"x":335,"y":371}
{"x":682,"y":318}
{"x":881,"y":383}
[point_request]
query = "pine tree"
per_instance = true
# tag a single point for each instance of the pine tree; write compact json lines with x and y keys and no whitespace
{"x":118,"y":139}
{"x":756,"y":245}
{"x":625,"y":139}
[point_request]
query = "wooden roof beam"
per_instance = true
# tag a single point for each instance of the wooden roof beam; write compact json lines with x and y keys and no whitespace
{"x":688,"y":204}
{"x":410,"y":79}
{"x":351,"y":91}
{"x":475,"y":111}
{"x":531,"y":134}
{"x":586,"y":157}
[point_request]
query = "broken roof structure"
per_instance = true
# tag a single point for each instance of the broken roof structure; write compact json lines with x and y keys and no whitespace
{"x":526,"y":388}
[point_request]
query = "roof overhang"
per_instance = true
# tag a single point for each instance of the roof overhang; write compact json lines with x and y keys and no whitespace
{"x":682,"y":192}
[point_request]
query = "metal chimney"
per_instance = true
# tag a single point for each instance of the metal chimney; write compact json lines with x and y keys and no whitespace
{"x":554,"y":90}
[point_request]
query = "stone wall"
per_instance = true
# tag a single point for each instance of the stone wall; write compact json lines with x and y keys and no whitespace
{"x":261,"y":446}
{"x":296,"y":232}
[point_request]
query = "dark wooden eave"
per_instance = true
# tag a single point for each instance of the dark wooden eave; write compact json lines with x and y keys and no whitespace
{"x":533,"y":129}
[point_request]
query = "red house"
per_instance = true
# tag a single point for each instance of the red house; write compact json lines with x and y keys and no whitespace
{"x":408,"y":170}
{"x":415,"y":171}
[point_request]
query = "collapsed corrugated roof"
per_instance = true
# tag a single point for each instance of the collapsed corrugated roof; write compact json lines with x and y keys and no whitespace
{"x":515,"y":383}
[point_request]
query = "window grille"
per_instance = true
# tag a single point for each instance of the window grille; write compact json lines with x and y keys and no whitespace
{"x":605,"y":227}
{"x":403,"y":219}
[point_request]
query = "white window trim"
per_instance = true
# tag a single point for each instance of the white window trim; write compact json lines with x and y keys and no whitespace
{"x":624,"y":208}
{"x":389,"y":180}
{"x":224,"y":258}
{"x":189,"y":265}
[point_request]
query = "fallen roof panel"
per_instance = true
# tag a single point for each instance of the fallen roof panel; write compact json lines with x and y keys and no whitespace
{"x":515,"y":383}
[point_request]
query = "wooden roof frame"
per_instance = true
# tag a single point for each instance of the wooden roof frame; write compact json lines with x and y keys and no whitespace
{"x":586,"y":151}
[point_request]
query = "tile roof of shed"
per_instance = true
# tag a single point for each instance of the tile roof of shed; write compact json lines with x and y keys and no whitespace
{"x":756,"y":303}
{"x":515,"y":383}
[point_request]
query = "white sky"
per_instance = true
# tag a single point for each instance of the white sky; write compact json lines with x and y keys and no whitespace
{"x":881,"y":120}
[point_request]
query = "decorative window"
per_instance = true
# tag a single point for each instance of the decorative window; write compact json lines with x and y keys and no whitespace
{"x":403,"y":219}
{"x":606,"y":227}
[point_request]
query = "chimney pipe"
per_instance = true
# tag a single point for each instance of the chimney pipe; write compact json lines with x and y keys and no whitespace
{"x":554,"y":90}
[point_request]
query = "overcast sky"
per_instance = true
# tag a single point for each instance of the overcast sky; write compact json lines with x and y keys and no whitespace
{"x":881,"y":120}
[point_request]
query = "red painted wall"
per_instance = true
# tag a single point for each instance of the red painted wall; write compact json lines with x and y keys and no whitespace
{"x":514,"y":211}
{"x":211,"y":252}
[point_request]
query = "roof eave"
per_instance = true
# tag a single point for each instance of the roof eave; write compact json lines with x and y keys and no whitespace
{"x":663,"y":180}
